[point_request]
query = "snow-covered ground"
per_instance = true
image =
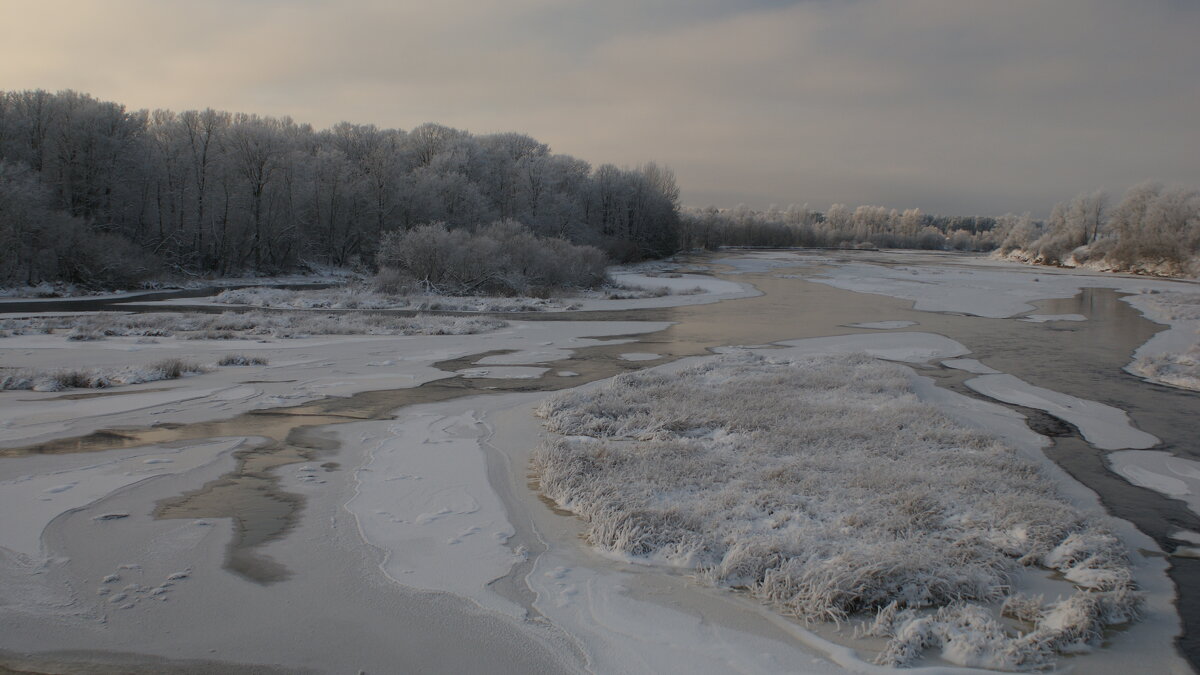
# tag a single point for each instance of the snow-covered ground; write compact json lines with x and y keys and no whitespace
{"x":423,"y":548}
{"x":635,"y":288}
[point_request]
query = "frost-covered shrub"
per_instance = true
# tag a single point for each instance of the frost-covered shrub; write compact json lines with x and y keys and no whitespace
{"x":823,"y":486}
{"x":76,"y":379}
{"x":504,"y":258}
{"x":171,"y":369}
{"x":16,"y":381}
{"x":58,"y":380}
{"x":392,"y":281}
{"x":241,"y":360}
{"x":1179,"y":369}
{"x":84,"y":335}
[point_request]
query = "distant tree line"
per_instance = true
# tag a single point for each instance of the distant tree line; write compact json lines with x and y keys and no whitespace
{"x":839,"y":227}
{"x":93,"y":193}
{"x":1154,"y":229}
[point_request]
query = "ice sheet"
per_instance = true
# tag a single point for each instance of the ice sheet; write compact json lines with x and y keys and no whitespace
{"x":1103,"y":426}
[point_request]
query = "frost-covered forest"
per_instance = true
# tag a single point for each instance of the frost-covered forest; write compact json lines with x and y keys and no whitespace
{"x":840,"y":226}
{"x":93,"y":193}
{"x":97,"y":195}
{"x":1154,"y":229}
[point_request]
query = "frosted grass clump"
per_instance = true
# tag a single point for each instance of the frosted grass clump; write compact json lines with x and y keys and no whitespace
{"x":1178,"y":369}
{"x":359,"y":298}
{"x":825,"y":487}
{"x":98,"y":378}
{"x":248,"y":325}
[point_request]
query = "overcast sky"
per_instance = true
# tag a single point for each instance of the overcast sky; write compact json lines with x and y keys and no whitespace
{"x":953,"y":106}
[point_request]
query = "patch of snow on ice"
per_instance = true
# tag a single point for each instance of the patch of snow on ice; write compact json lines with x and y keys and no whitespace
{"x":1175,"y":477}
{"x":1045,"y":318}
{"x":413,"y":520}
{"x":40,"y":495}
{"x":884,"y":325}
{"x":970,"y":366}
{"x":907,"y":347}
{"x":1103,"y":426}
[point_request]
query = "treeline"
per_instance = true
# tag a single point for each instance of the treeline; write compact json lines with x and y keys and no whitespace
{"x":839,"y":227}
{"x":1154,"y":229}
{"x":96,"y":194}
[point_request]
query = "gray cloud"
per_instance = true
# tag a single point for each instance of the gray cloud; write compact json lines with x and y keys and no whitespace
{"x":949,"y":105}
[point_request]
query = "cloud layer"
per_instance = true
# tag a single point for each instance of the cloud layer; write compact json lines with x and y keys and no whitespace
{"x":963,"y":106}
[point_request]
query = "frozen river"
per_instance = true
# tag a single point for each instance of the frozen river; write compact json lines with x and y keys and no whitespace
{"x":312,"y":548}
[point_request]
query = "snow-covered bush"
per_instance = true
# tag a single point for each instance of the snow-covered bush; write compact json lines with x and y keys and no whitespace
{"x":823,"y":486}
{"x":241,"y":360}
{"x":505,"y":258}
{"x":1179,"y":369}
{"x":90,"y":378}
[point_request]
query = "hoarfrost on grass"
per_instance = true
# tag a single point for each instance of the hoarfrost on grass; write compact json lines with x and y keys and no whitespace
{"x":98,"y":378}
{"x":823,"y":486}
{"x":245,"y":325}
{"x":1179,"y":367}
{"x":359,"y":298}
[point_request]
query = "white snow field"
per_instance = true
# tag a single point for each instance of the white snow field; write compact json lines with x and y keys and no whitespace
{"x":825,"y":487}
